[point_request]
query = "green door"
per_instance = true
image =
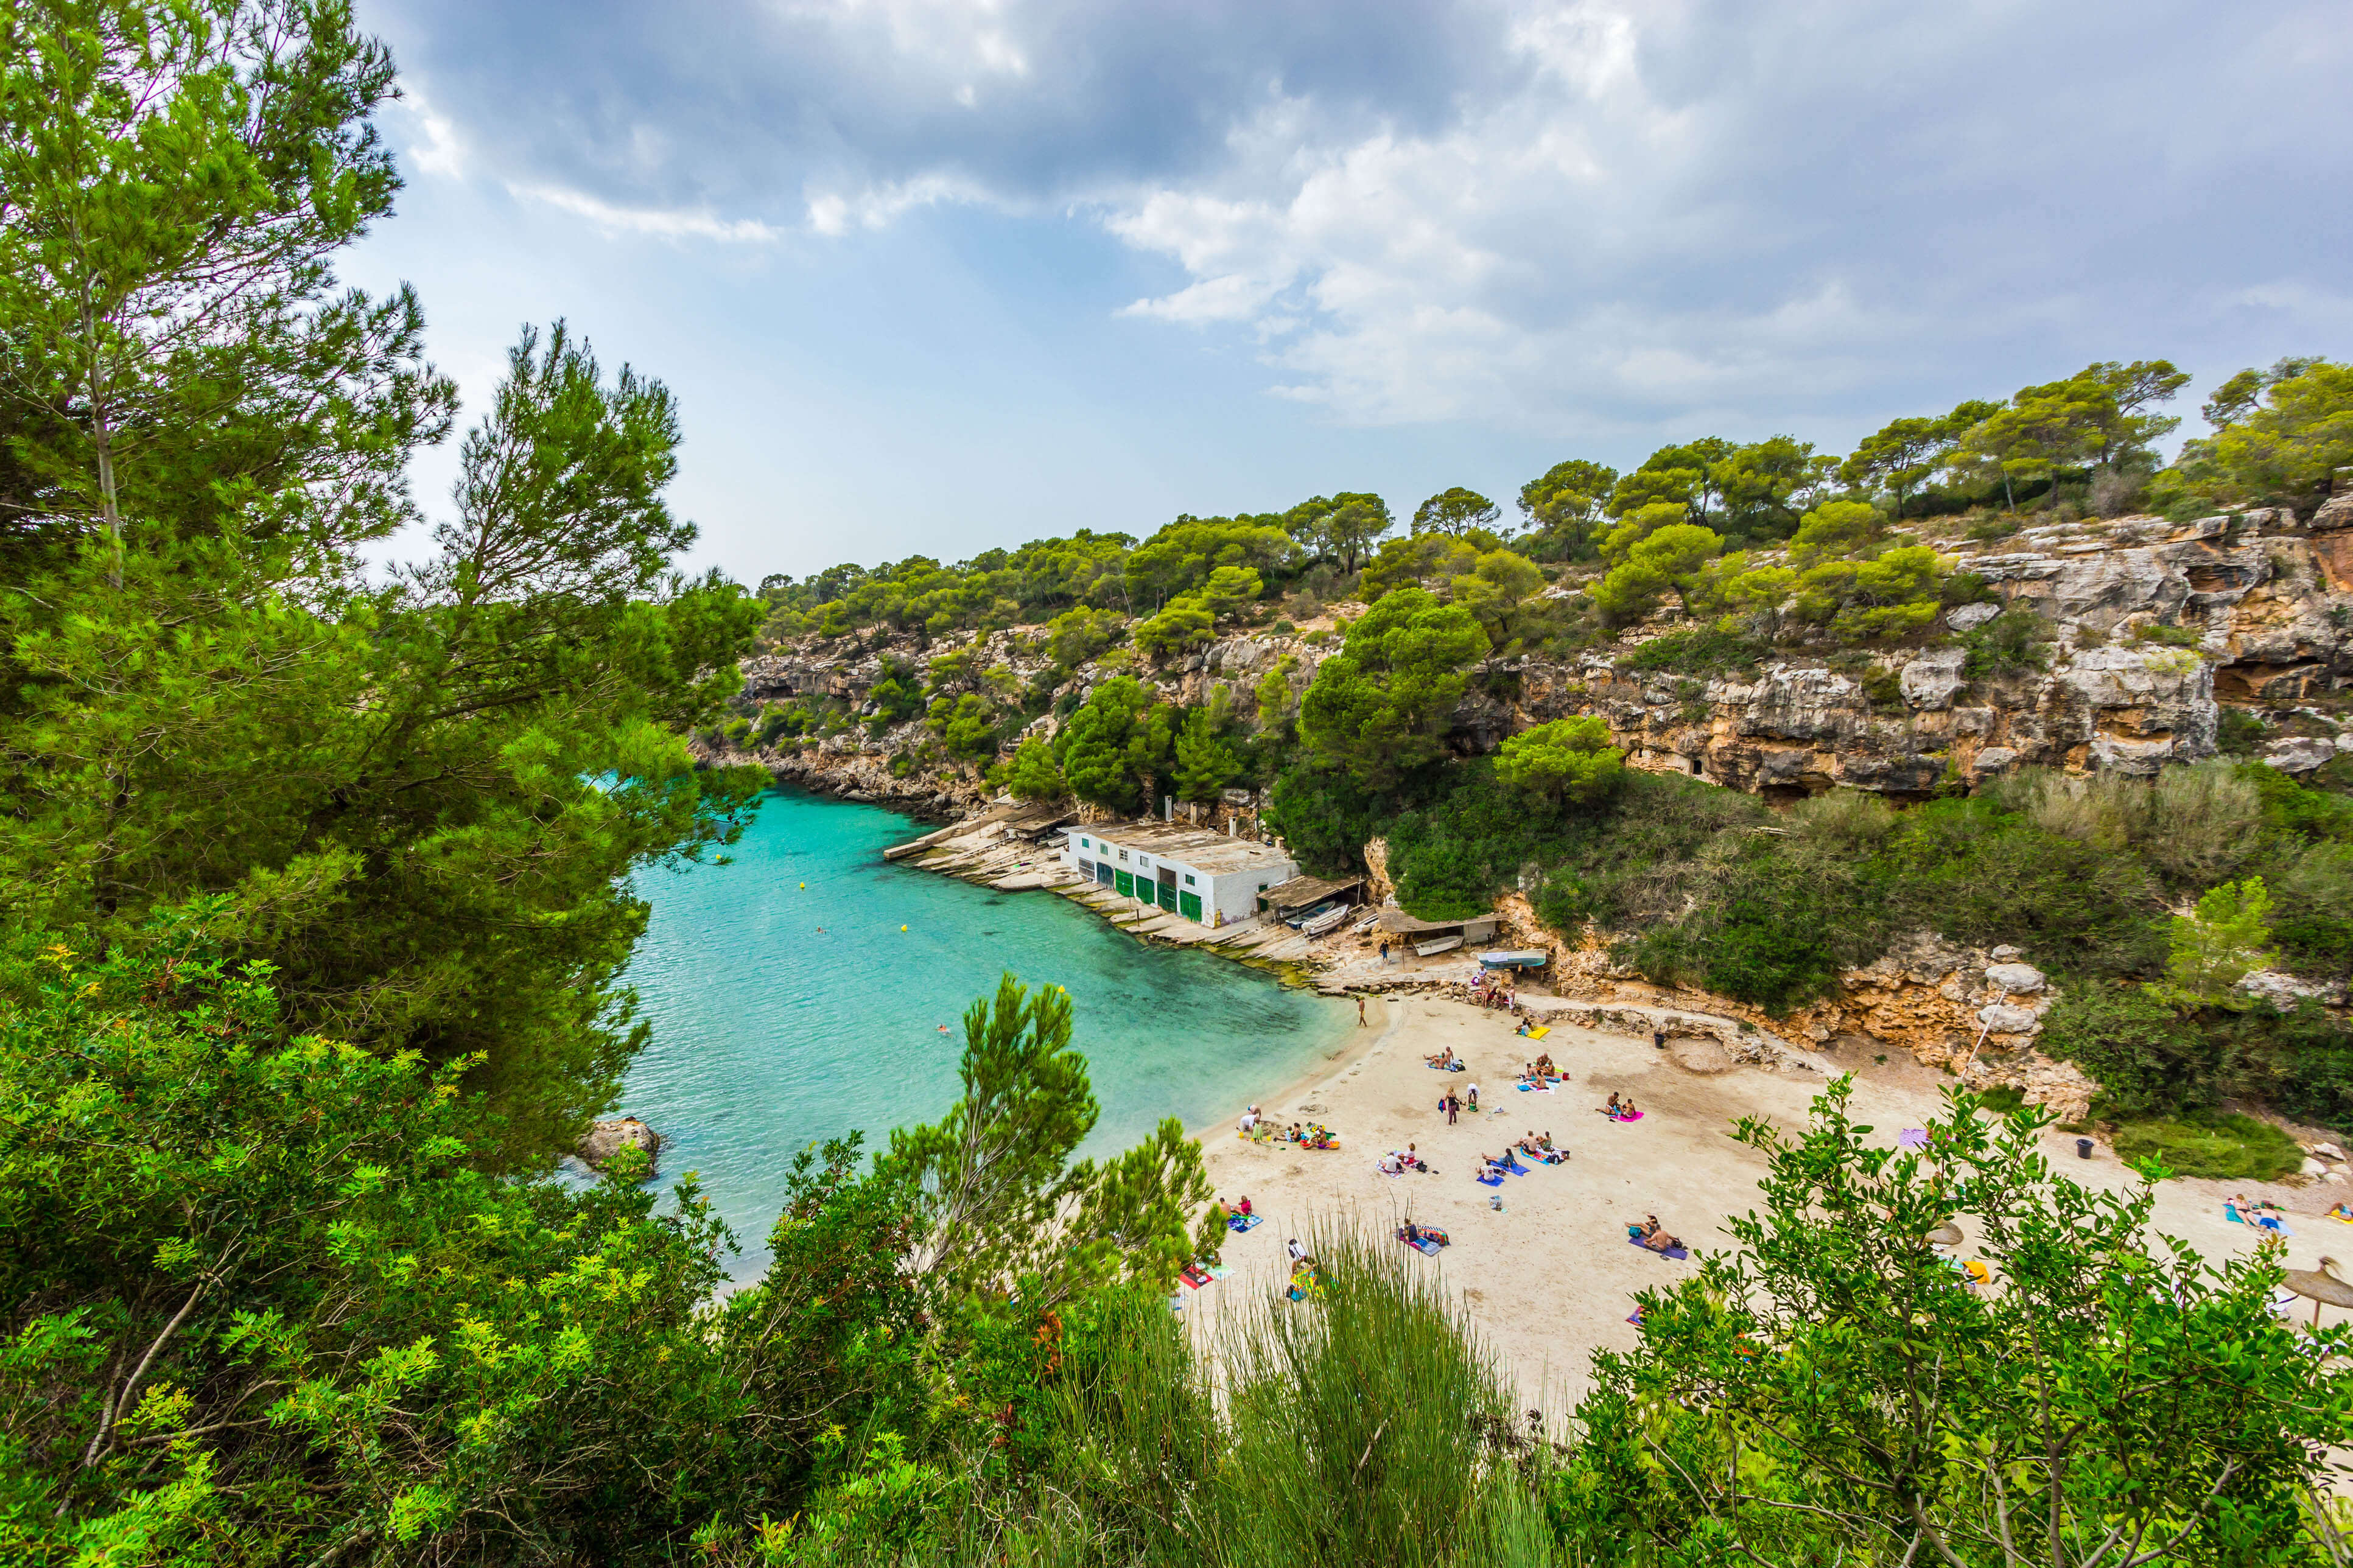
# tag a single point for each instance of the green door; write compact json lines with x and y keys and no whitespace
{"x":1189,"y":905}
{"x":1125,"y":883}
{"x":1168,"y":897}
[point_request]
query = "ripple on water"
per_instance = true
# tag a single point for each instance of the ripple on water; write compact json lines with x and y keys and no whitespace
{"x":785,"y":1013}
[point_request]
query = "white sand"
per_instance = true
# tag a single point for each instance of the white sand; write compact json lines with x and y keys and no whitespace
{"x":1551,"y":1278}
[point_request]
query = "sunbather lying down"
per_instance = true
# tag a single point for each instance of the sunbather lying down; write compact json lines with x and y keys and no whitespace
{"x":1649,"y":1233}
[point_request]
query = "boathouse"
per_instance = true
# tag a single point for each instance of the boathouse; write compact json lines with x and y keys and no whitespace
{"x":1189,"y":871}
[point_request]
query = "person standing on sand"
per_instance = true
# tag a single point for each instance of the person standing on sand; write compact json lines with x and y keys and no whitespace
{"x":1360,"y":1012}
{"x":1385,"y":955}
{"x":1453,"y":1106}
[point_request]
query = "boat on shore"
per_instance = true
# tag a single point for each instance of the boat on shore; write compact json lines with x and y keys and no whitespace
{"x":1518,"y":958}
{"x":1327,"y":921}
{"x":1443,"y":945}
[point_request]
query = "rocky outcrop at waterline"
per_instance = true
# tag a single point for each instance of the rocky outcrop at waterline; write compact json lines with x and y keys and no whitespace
{"x":607,"y":1139}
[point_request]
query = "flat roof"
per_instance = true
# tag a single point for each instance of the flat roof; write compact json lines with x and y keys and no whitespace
{"x":1301,"y":891}
{"x":1199,"y":848}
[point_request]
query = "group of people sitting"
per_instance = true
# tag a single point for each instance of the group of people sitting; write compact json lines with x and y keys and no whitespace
{"x":1620,"y":1109}
{"x":1394,"y":1164}
{"x":1649,"y":1234}
{"x":1313,"y":1135}
{"x":1492,"y":990}
{"x":1540,"y":1148}
{"x":1448,"y":1060}
{"x":1540,"y":1072}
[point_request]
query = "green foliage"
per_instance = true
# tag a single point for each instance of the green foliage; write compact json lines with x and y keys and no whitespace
{"x":1339,"y":528}
{"x":1568,"y":760}
{"x":414,"y":796}
{"x":991,"y":1182}
{"x":1696,"y":650}
{"x":2209,"y":951}
{"x":2281,"y":435}
{"x":1456,"y":511}
{"x":1327,"y":814}
{"x":1563,"y":506}
{"x":2013,"y":641}
{"x":1379,"y":708}
{"x":2223,"y":1144}
{"x":1831,"y":1362}
{"x":1890,"y":595}
{"x":1079,"y":634}
{"x":1230,"y":588}
{"x":1184,"y":622}
{"x":1424,"y":560}
{"x":1116,"y":743}
{"x":1206,"y":762}
{"x":966,"y":726}
{"x":1668,"y":558}
{"x":1031,"y":774}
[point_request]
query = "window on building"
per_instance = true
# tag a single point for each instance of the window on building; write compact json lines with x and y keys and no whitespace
{"x":1144,"y":859}
{"x":1122,"y":855}
{"x":1189,"y":879}
{"x":1084,"y":844}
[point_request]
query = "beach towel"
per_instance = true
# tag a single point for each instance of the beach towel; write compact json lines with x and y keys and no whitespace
{"x":1377,"y":1165}
{"x":1489,"y":1181}
{"x":1525,"y":1086}
{"x":1675,"y":1252}
{"x":2230,"y":1212}
{"x":1426,"y":1247}
{"x":1538,"y":1034}
{"x":1240,"y":1223}
{"x":1636,"y":1117}
{"x":1635,"y":1317}
{"x":1194,"y":1277}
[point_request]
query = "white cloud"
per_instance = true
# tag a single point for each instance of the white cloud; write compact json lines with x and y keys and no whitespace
{"x":1562,"y":216}
{"x":665,"y":224}
{"x":437,"y":148}
{"x":834,"y":213}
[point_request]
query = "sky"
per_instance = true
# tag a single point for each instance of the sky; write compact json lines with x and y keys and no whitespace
{"x":932,"y":277}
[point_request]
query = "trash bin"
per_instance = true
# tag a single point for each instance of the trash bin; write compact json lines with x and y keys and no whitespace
{"x":2083,"y":1148}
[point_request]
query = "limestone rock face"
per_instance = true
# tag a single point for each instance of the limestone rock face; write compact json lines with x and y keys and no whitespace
{"x":2014,"y":977}
{"x":1968,"y":617}
{"x":607,"y":1139}
{"x":1930,"y":680}
{"x":2284,"y":991}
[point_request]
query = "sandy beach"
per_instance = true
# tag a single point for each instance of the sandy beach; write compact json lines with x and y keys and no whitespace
{"x":1549,"y":1276}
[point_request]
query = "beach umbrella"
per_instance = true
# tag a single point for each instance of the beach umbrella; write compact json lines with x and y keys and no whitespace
{"x":1947,"y":1235}
{"x":2320,"y":1287}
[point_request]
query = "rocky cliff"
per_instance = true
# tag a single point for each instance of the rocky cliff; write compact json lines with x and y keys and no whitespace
{"x":2145,"y":633}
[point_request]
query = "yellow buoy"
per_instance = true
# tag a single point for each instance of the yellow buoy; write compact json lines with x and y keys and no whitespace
{"x":902,"y":928}
{"x":804,"y":884}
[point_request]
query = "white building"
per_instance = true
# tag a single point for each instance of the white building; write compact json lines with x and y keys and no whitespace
{"x":1189,"y":871}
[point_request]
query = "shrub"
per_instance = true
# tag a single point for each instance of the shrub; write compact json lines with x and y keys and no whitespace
{"x":2212,"y":1143}
{"x":1698,"y":650}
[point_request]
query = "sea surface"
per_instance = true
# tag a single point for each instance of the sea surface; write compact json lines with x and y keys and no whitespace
{"x":788,"y":1006}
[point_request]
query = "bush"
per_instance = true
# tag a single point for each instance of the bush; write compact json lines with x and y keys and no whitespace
{"x":2212,"y":1143}
{"x":1697,"y":651}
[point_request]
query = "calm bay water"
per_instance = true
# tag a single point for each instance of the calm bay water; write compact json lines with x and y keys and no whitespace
{"x":787,"y":1005}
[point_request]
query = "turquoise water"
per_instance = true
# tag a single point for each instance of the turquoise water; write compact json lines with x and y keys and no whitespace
{"x":787,"y":1005}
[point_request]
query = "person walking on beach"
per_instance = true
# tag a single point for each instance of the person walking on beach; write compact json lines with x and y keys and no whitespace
{"x":1453,"y":1106}
{"x":1360,"y":1012}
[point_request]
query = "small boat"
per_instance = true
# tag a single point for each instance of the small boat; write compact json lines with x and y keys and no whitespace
{"x":1367,"y":923}
{"x":1308,"y":917}
{"x":1518,"y":958}
{"x":1324,"y":922}
{"x":1443,"y":945}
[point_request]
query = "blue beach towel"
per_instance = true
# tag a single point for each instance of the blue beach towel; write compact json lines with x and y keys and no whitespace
{"x":1677,"y":1252}
{"x":1239,"y":1223}
{"x":1489,"y":1181}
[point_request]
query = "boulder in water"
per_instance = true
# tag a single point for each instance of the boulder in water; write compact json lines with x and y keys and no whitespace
{"x":607,"y":1139}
